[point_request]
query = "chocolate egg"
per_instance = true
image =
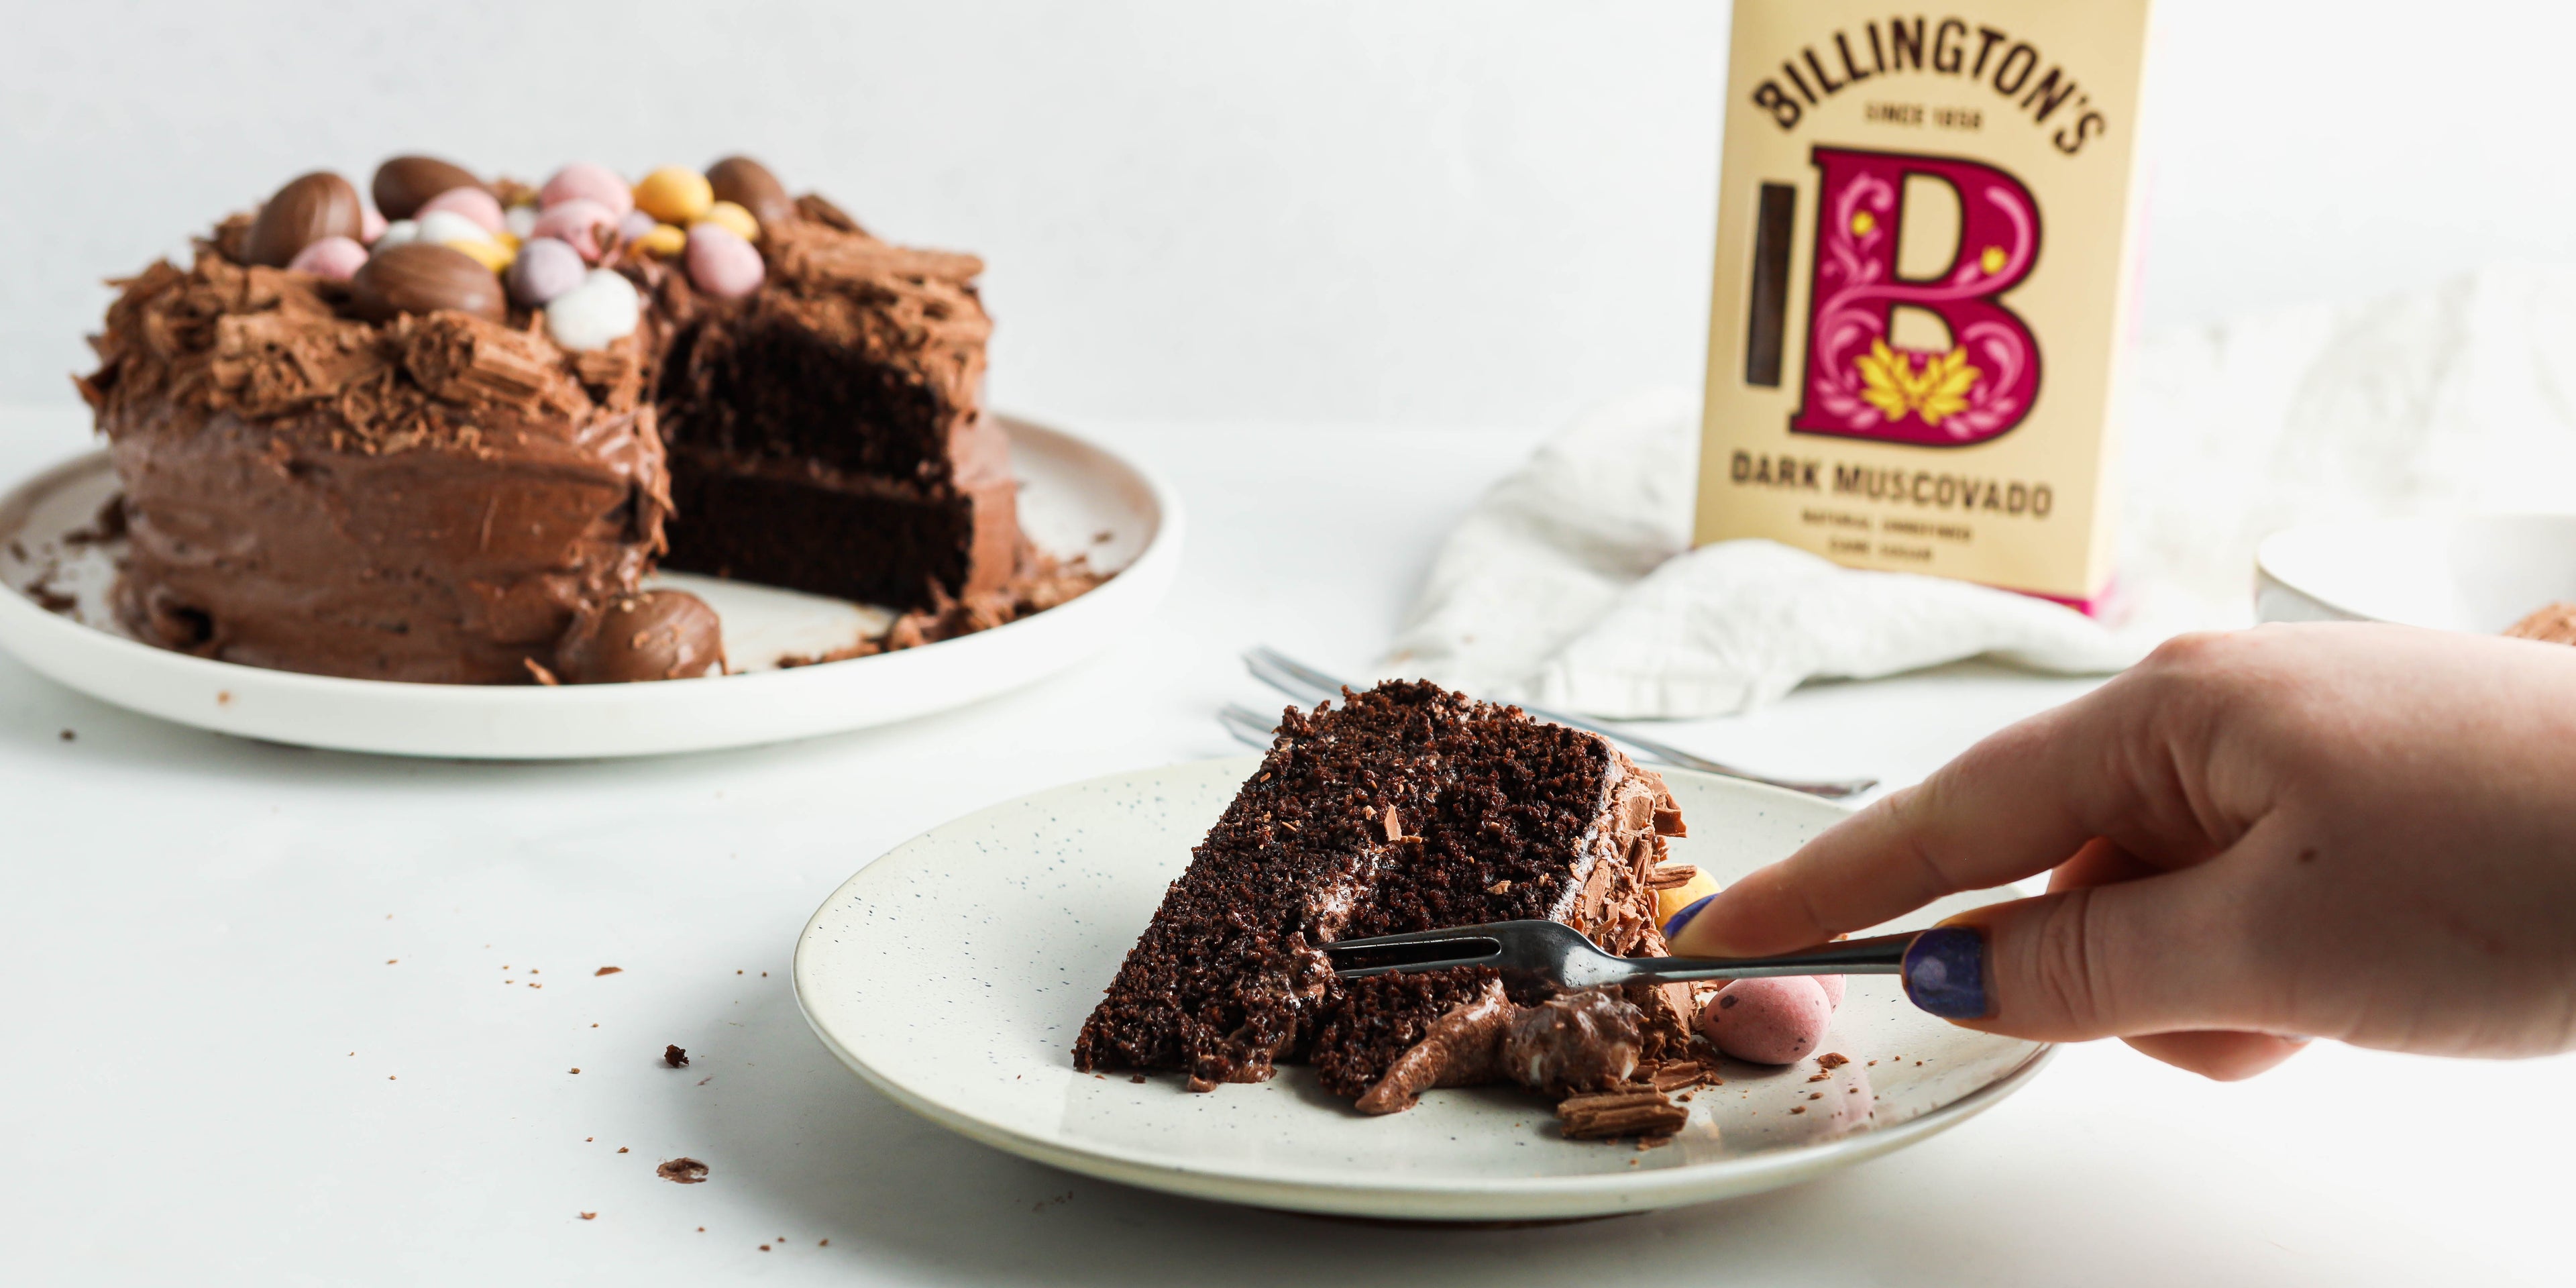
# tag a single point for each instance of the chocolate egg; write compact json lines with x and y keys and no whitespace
{"x":654,"y":635}
{"x":424,"y":277}
{"x":402,"y":184}
{"x":305,"y":211}
{"x":750,"y":185}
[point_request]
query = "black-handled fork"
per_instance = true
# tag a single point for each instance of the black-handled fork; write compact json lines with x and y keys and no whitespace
{"x":1557,"y":956}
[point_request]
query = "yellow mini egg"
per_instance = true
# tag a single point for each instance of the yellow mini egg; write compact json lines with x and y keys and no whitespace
{"x":733,"y":218}
{"x":490,"y":254}
{"x":1670,"y":901}
{"x":509,"y":240}
{"x":662,"y":241}
{"x":675,"y":195}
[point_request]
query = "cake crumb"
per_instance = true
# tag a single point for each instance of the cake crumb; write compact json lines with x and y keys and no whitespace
{"x":608,"y":970}
{"x":682,"y":1171}
{"x":621,"y":1149}
{"x":1136,"y":1078}
{"x":1833,"y":1060}
{"x":1797,"y":1109}
{"x":674,"y":1056}
{"x":69,"y":736}
{"x":590,"y":1216}
{"x":576,"y":1068}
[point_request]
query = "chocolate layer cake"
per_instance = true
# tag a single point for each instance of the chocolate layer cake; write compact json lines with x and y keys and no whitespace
{"x":447,"y":449}
{"x":1408,"y":808}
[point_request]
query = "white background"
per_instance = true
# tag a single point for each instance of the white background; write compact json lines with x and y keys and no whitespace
{"x":1465,"y":212}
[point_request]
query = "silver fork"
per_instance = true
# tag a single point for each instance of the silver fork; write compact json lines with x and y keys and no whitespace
{"x":1310,"y":686}
{"x":1557,"y":956}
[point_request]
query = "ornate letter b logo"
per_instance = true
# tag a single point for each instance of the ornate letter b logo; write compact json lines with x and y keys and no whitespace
{"x":1859,"y":385}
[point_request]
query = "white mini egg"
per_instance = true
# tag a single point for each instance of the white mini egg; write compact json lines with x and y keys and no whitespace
{"x":398,"y":232}
{"x":600,"y":310}
{"x":443,"y":226}
{"x":521,"y":221}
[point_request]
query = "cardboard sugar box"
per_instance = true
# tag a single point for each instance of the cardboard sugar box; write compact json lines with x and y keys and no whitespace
{"x":1924,"y":239}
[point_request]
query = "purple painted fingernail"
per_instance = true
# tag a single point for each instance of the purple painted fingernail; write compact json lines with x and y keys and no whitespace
{"x":1673,"y":924}
{"x":1945,"y":972}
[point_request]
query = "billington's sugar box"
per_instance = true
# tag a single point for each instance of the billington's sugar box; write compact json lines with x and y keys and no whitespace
{"x":1923,"y":248}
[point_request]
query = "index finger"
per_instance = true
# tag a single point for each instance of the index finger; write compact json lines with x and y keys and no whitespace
{"x":2017,"y":804}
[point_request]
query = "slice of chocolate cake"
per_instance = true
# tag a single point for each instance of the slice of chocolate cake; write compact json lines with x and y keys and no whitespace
{"x":1409,"y":808}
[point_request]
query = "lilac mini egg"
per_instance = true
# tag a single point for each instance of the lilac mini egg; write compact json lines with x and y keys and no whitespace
{"x":544,"y":271}
{"x":576,"y":222}
{"x":370,"y":224}
{"x":336,"y":258}
{"x":1768,"y":1021}
{"x":632,"y":225}
{"x":583,"y":181}
{"x":722,"y":264}
{"x":473,"y":203}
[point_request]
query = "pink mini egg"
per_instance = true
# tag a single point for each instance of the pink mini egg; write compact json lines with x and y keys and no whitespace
{"x":336,"y":258}
{"x":583,"y":181}
{"x":370,"y":224}
{"x":632,"y":225}
{"x":576,"y":222}
{"x":1768,"y":1021}
{"x":1833,"y":986}
{"x":473,"y":203}
{"x":722,"y":264}
{"x":544,"y":271}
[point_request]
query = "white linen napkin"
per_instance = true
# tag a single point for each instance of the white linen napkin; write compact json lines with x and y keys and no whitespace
{"x":1571,"y":582}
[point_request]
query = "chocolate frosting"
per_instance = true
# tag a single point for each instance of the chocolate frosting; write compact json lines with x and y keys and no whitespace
{"x":1582,"y":1041}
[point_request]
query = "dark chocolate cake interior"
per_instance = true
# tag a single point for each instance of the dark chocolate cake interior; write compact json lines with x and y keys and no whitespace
{"x":1408,"y":808}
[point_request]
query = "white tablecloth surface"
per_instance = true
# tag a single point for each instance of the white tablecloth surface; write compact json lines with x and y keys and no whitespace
{"x":268,"y":1020}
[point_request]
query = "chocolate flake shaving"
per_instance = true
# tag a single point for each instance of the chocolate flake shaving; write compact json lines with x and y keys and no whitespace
{"x":1631,"y":1110}
{"x":675,"y":1057}
{"x":1671,"y":876}
{"x":682,"y":1171}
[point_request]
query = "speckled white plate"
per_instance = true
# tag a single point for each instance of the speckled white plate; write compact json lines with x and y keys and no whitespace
{"x":954,"y":973}
{"x":1076,"y":498}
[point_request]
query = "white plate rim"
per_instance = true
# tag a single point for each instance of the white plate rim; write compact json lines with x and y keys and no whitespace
{"x":1489,"y":1199}
{"x":46,"y":641}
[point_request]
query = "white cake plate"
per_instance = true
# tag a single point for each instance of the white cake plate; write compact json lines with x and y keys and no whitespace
{"x":1076,"y":498}
{"x":953,"y":974}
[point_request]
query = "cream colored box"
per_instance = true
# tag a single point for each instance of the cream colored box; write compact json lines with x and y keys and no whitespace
{"x":1922,"y":276}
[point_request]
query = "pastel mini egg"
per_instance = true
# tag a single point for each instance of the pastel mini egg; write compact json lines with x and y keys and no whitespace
{"x":336,"y":258}
{"x":397,"y":233}
{"x":634,"y":224}
{"x":1675,"y":898}
{"x":1768,"y":1021}
{"x":544,"y":271}
{"x":584,"y":181}
{"x":487,"y":252}
{"x":449,"y":227}
{"x":603,"y":309}
{"x":721,"y":263}
{"x":370,"y":225}
{"x":576,"y":222}
{"x":473,"y":203}
{"x":662,"y":241}
{"x":732,"y":218}
{"x":675,"y":195}
{"x":520,"y":221}
{"x":1833,"y":986}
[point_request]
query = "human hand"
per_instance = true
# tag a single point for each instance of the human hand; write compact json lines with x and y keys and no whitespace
{"x":2353,"y":831}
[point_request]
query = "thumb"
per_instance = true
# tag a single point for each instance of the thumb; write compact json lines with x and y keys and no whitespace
{"x":2158,"y":955}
